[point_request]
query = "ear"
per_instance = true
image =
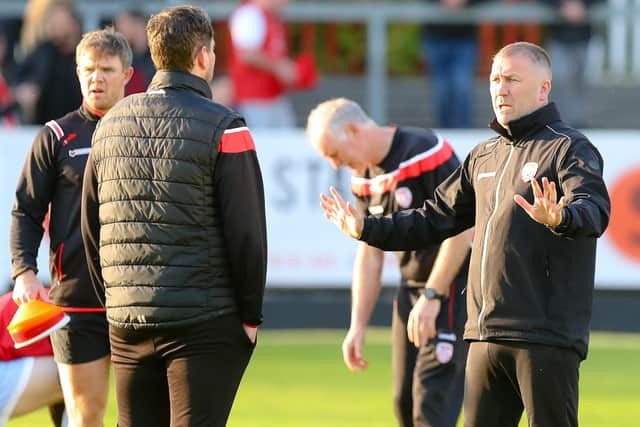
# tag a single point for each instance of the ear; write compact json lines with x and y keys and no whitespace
{"x":128,"y":73}
{"x":351,"y":129}
{"x":545,"y":90}
{"x":201,"y":58}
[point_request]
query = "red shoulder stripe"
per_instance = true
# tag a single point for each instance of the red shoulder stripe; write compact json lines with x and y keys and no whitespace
{"x":55,"y":127}
{"x":411,"y":168}
{"x":236,"y":140}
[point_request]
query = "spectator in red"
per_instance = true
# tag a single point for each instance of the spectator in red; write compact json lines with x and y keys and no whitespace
{"x":28,"y":376}
{"x":132,"y":24}
{"x":260,"y":68}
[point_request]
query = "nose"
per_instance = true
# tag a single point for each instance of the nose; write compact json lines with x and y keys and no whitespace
{"x":97,"y":75}
{"x":502,"y":87}
{"x":335,"y":163}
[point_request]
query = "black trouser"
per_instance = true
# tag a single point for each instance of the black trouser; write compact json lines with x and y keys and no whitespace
{"x":426,"y":391}
{"x":181,"y":376}
{"x":505,"y":377}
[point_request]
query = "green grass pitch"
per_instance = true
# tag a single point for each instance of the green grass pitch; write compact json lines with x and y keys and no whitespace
{"x":298,"y":379}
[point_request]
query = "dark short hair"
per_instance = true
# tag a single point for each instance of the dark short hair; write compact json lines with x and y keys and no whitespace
{"x":175,"y":34}
{"x":535,"y":53}
{"x":107,"y":41}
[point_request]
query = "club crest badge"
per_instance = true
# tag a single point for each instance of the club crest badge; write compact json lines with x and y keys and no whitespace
{"x":529,"y":171}
{"x":444,"y":352}
{"x":403,"y":197}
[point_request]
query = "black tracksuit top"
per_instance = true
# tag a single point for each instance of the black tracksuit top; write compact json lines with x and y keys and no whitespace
{"x":418,"y":160}
{"x":526,"y":282}
{"x":52,"y":175}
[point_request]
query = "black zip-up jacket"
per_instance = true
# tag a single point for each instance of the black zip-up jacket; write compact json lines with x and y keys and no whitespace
{"x":173,"y":209}
{"x":526,"y":282}
{"x":52,"y":176}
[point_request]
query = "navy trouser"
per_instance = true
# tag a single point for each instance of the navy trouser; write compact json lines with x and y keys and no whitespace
{"x":504,"y":377}
{"x":181,"y":376}
{"x":428,"y":383}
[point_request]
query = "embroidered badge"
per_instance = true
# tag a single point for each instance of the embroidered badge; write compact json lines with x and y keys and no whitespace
{"x":529,"y":171}
{"x":444,"y":352}
{"x":404,"y":197}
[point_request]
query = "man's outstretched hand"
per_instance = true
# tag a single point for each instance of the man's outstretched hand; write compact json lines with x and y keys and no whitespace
{"x":342,"y":214}
{"x":544,"y":209}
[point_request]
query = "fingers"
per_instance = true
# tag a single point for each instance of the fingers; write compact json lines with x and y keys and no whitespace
{"x":416,"y":330}
{"x":337,"y":196}
{"x":522,"y":202}
{"x":553,"y":193}
{"x":352,"y":357}
{"x":562,"y":203}
{"x":537,"y":191}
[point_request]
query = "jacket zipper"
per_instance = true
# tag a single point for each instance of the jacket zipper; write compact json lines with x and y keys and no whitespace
{"x":485,"y":240}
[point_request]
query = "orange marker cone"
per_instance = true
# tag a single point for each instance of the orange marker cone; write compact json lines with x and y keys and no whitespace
{"x":35,"y":320}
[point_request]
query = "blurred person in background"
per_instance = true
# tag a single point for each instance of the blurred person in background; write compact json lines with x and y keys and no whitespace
{"x":34,"y":29}
{"x":531,"y":276}
{"x":568,"y":44}
{"x":260,"y":68}
{"x":28,"y":375}
{"x":451,"y":52}
{"x":173,"y":220}
{"x":51,"y":180}
{"x":10,"y":32}
{"x":47,"y":87}
{"x":133,"y":25}
{"x":8,"y":106}
{"x":397,"y":168}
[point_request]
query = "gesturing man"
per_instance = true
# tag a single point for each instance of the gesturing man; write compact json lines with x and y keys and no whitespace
{"x":531,"y":276}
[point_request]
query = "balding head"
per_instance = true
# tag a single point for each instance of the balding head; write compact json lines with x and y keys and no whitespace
{"x":333,"y":116}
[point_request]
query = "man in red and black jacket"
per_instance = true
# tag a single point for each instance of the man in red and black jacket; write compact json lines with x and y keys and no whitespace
{"x":51,"y":182}
{"x":395,"y":168}
{"x":175,"y":235}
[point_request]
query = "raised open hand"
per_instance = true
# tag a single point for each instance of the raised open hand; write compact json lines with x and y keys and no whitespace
{"x":342,"y":213}
{"x":544,"y":209}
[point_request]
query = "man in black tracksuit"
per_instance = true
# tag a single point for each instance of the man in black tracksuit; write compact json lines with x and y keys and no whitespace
{"x":175,"y":234}
{"x":532,"y":266}
{"x":395,"y":169}
{"x":51,"y":181}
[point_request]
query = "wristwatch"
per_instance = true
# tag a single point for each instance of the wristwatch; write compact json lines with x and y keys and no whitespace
{"x":430,"y":293}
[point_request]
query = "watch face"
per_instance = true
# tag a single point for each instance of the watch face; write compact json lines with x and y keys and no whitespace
{"x":430,"y":293}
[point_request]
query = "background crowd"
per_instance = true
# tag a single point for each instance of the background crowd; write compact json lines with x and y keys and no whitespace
{"x":263,"y":60}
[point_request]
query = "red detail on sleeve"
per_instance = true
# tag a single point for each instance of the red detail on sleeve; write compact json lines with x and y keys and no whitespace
{"x":58,"y":263}
{"x":69,"y":138}
{"x":236,"y":140}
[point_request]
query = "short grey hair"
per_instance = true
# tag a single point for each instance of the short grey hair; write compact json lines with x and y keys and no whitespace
{"x":535,"y":53}
{"x":333,"y":115}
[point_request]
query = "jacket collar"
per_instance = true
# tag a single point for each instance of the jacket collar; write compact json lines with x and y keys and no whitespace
{"x":88,"y":113}
{"x":180,"y":80}
{"x":526,"y":125}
